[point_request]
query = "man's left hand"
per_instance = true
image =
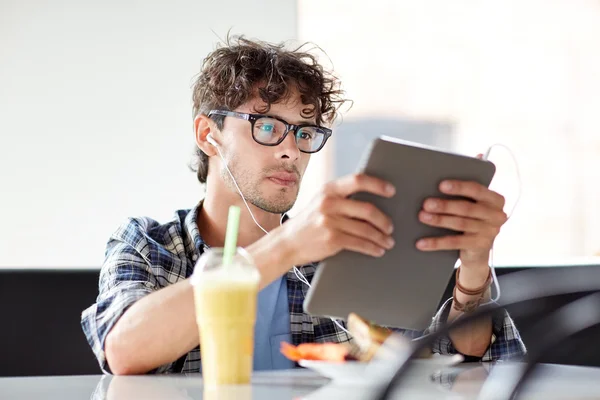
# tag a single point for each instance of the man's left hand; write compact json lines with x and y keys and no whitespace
{"x":480,"y":221}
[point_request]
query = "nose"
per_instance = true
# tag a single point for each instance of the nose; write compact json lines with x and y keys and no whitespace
{"x":288,"y":149}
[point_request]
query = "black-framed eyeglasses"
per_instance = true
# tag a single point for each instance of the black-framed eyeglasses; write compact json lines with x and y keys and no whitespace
{"x":271,"y":131}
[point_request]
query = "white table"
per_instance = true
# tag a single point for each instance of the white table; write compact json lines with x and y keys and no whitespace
{"x":462,"y":382}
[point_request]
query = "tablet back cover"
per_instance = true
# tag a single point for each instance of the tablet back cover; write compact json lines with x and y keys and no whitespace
{"x":404,"y":287}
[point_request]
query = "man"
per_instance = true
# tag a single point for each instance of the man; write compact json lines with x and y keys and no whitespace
{"x":264,"y":108}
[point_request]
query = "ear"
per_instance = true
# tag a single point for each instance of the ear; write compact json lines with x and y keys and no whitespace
{"x":203,"y":126}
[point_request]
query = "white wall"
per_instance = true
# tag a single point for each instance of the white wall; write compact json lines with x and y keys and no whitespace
{"x":95,"y":115}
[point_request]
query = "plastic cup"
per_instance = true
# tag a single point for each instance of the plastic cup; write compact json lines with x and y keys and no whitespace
{"x":225,"y":298}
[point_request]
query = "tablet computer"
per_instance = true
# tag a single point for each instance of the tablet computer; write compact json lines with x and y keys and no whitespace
{"x":404,"y":287}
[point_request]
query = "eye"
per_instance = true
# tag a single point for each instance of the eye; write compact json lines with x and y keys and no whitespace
{"x":305,"y":134}
{"x":266,"y":128}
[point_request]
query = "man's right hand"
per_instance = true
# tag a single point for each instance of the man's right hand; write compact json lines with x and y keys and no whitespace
{"x":332,"y":222}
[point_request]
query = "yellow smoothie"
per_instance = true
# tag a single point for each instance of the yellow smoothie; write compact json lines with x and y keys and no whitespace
{"x":225,"y":301}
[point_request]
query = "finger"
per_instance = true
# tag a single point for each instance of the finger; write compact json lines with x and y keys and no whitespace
{"x":366,"y":231}
{"x":359,"y":210}
{"x":351,"y":184}
{"x":459,"y":224}
{"x":359,"y":245}
{"x":472,"y":190}
{"x":464,"y":208}
{"x":455,"y":242}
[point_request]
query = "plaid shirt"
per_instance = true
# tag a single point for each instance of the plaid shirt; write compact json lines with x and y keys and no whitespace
{"x":143,"y":256}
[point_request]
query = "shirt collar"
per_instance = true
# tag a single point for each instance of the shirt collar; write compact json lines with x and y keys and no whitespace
{"x":193,"y":243}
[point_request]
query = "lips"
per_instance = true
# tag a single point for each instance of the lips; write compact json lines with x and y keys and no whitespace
{"x":283,"y":178}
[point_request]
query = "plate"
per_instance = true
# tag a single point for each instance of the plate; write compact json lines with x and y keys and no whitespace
{"x":356,"y":372}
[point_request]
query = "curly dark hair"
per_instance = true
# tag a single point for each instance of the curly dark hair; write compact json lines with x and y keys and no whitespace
{"x":241,"y":68}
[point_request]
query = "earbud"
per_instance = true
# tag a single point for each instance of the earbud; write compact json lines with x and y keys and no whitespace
{"x":211,"y":140}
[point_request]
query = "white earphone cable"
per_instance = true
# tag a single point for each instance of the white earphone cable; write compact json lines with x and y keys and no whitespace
{"x":509,"y":215}
{"x":297,"y":272}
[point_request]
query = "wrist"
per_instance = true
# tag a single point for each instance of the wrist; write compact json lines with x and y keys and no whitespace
{"x":272,"y":255}
{"x":473,"y":277}
{"x":467,"y":299}
{"x":285,"y":248}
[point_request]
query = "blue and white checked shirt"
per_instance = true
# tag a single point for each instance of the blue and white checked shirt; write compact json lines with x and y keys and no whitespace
{"x":143,"y":256}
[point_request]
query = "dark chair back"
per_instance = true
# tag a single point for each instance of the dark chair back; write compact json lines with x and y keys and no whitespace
{"x":587,"y":353}
{"x":41,"y":332}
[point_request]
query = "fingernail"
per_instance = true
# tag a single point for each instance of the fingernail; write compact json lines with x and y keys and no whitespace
{"x":380,"y":252}
{"x":427,"y":216}
{"x":390,"y":189}
{"x":422,"y":244}
{"x":390,"y":243}
{"x":431,"y":204}
{"x":447,"y":186}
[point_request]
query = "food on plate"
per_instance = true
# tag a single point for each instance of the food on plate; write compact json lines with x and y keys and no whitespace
{"x":334,"y":352}
{"x":367,"y":339}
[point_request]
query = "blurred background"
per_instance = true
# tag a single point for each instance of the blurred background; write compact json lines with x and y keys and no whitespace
{"x":96,"y":123}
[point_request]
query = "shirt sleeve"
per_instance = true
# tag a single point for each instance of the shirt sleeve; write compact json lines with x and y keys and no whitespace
{"x":125,"y":277}
{"x":505,"y":343}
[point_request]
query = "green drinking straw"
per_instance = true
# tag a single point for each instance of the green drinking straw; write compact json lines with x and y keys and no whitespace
{"x":231,"y":235}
